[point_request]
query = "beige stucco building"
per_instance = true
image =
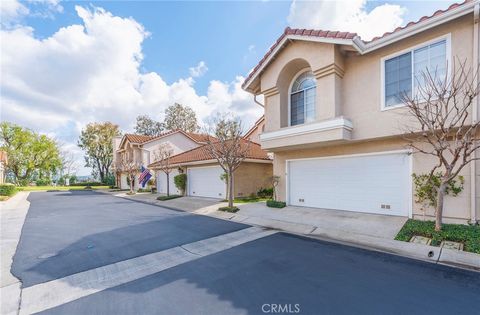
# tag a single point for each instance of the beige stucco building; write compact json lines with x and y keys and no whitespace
{"x":334,"y":121}
{"x":142,"y":149}
{"x":205,"y":175}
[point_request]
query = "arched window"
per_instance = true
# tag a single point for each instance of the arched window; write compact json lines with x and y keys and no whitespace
{"x":302,"y":99}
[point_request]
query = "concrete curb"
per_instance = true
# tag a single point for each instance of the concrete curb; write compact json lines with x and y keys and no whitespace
{"x":452,"y":258}
{"x":13,"y":214}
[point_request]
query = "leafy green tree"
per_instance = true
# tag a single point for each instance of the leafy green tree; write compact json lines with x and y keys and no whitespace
{"x":29,"y":153}
{"x":96,"y":140}
{"x":180,"y":117}
{"x":147,"y":126}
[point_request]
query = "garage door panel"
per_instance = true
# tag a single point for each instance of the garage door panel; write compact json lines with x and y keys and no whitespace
{"x":162,"y":182}
{"x":206,"y":182}
{"x":361,"y":183}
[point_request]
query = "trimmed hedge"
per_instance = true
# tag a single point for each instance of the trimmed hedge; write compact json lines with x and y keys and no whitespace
{"x":8,"y":190}
{"x":276,"y":204}
{"x":164,"y":198}
{"x":228,"y":209}
{"x":180,"y":182}
{"x":469,"y":235}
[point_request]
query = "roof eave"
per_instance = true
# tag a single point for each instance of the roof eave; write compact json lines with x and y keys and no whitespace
{"x":247,"y":86}
{"x":419,"y":27}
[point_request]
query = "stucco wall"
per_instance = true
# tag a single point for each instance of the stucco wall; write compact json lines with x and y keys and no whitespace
{"x":456,"y":208}
{"x":250,"y":177}
{"x":354,"y":91}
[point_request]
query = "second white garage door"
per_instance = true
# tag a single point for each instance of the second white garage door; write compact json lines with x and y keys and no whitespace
{"x":162,"y":182}
{"x":206,"y":182}
{"x":368,"y":183}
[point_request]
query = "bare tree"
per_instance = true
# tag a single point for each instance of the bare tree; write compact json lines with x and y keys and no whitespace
{"x":275,"y":180}
{"x":162,"y":159}
{"x":228,"y":147}
{"x":130,"y":167}
{"x":442,"y":108}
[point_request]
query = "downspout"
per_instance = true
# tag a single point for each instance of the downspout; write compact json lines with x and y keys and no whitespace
{"x":255,"y":100}
{"x":476,"y":103}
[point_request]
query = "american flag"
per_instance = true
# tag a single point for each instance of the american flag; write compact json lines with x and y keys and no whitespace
{"x":144,"y":176}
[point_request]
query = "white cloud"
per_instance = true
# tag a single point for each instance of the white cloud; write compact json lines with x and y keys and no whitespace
{"x":346,"y":15}
{"x":11,"y":11}
{"x":91,"y":72}
{"x":198,"y":70}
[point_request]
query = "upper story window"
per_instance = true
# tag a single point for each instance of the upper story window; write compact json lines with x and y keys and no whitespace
{"x":302,"y":99}
{"x":404,"y":72}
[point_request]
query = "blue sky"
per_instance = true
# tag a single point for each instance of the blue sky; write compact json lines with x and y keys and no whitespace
{"x":217,"y":32}
{"x":68,"y":63}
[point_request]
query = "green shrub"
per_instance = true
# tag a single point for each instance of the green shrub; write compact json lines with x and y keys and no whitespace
{"x":8,"y":190}
{"x":426,"y":188}
{"x":469,"y":235}
{"x":181,"y":182}
{"x":164,"y":198}
{"x":43,"y":182}
{"x":88,"y":184}
{"x":229,"y":209}
{"x":276,"y":204}
{"x":265,"y":192}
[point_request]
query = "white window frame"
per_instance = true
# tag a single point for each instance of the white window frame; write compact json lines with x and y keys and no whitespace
{"x":448,"y":54}
{"x":289,"y":92}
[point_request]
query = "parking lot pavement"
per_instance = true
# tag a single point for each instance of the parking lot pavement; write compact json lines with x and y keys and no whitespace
{"x":312,"y":276}
{"x":69,"y":232}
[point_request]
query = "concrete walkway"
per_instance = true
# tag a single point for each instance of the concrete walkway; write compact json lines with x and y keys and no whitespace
{"x":13,"y":213}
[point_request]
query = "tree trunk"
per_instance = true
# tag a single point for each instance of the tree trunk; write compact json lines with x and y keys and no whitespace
{"x":131,"y":184}
{"x":230,"y":189}
{"x":439,"y":209}
{"x":168,"y":184}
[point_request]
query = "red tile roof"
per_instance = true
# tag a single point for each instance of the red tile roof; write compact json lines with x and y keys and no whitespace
{"x":339,"y":35}
{"x":422,"y":19}
{"x":197,"y":137}
{"x":202,"y":154}
{"x":300,"y":32}
{"x":138,"y":138}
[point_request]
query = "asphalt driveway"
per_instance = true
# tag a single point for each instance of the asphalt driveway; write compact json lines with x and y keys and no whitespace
{"x":69,"y":232}
{"x":84,"y":230}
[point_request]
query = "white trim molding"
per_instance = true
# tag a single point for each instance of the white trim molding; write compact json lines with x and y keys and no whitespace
{"x":325,"y":125}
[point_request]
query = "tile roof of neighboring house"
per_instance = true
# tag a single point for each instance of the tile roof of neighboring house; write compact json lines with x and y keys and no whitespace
{"x":255,"y":126}
{"x":198,"y":137}
{"x":329,"y":35}
{"x":140,"y":139}
{"x":202,"y":154}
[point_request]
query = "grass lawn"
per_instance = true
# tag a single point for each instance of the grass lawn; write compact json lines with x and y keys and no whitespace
{"x":4,"y":198}
{"x":39,"y":188}
{"x":469,"y":235}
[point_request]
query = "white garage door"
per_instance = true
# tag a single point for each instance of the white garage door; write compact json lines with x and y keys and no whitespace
{"x":162,"y":182}
{"x":206,"y":182}
{"x":370,"y":183}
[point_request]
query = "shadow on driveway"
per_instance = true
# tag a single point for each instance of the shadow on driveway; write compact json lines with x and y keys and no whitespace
{"x":63,"y":236}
